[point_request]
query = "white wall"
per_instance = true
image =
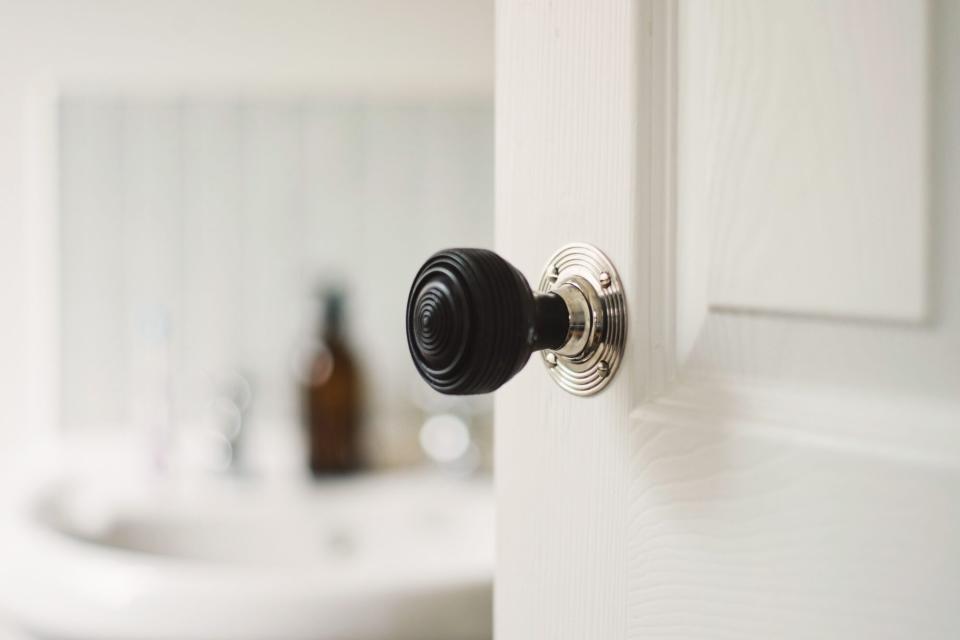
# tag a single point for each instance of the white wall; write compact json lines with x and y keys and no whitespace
{"x":349,"y":47}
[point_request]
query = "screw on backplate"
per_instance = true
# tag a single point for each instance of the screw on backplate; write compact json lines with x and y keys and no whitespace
{"x":551,"y":359}
{"x":603,"y":369}
{"x":604,"y":279}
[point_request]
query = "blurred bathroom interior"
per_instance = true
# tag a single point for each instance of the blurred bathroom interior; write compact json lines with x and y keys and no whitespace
{"x":210,"y":213}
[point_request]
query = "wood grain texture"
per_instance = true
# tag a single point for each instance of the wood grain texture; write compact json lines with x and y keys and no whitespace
{"x":582,"y":95}
{"x":869,"y":354}
{"x":793,"y":475}
{"x":804,"y":153}
{"x":763,"y":511}
{"x":802,"y":479}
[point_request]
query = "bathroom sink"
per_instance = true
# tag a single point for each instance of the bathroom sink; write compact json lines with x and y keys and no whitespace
{"x":372,"y":557}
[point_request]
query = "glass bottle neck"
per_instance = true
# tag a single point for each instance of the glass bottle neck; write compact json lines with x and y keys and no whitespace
{"x":332,"y":325}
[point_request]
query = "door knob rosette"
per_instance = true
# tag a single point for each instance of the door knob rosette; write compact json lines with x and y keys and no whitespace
{"x":583,"y":276}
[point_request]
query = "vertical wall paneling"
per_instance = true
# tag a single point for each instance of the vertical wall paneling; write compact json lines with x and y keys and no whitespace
{"x":151,"y":219}
{"x":217,"y":220}
{"x":271,"y":192}
{"x":332,"y":215}
{"x":212,"y":233}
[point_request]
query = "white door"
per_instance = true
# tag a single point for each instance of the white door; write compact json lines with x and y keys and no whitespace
{"x":777,"y":183}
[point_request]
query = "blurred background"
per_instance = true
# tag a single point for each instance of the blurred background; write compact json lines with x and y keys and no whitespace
{"x":210,"y":216}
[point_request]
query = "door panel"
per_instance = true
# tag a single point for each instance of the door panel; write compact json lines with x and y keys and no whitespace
{"x":780,"y":454}
{"x":762,"y":512}
{"x":803,"y":135}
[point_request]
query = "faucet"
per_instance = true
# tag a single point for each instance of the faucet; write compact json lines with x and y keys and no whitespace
{"x":231,"y":406}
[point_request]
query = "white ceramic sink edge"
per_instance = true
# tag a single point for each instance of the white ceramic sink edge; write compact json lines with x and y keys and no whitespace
{"x":376,"y":557}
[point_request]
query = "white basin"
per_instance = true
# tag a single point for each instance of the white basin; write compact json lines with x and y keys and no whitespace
{"x":373,"y":557}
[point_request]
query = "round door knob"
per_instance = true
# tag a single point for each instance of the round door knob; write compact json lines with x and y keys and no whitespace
{"x":472,"y":320}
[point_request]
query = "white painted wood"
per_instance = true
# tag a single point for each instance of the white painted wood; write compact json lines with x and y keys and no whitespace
{"x":582,"y":138}
{"x":803,"y":138}
{"x":760,"y":512}
{"x":790,"y":475}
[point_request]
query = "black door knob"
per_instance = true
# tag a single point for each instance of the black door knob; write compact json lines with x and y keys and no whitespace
{"x":472,"y":321}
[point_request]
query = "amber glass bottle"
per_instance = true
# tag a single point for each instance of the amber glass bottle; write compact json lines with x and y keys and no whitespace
{"x":331,"y":397}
